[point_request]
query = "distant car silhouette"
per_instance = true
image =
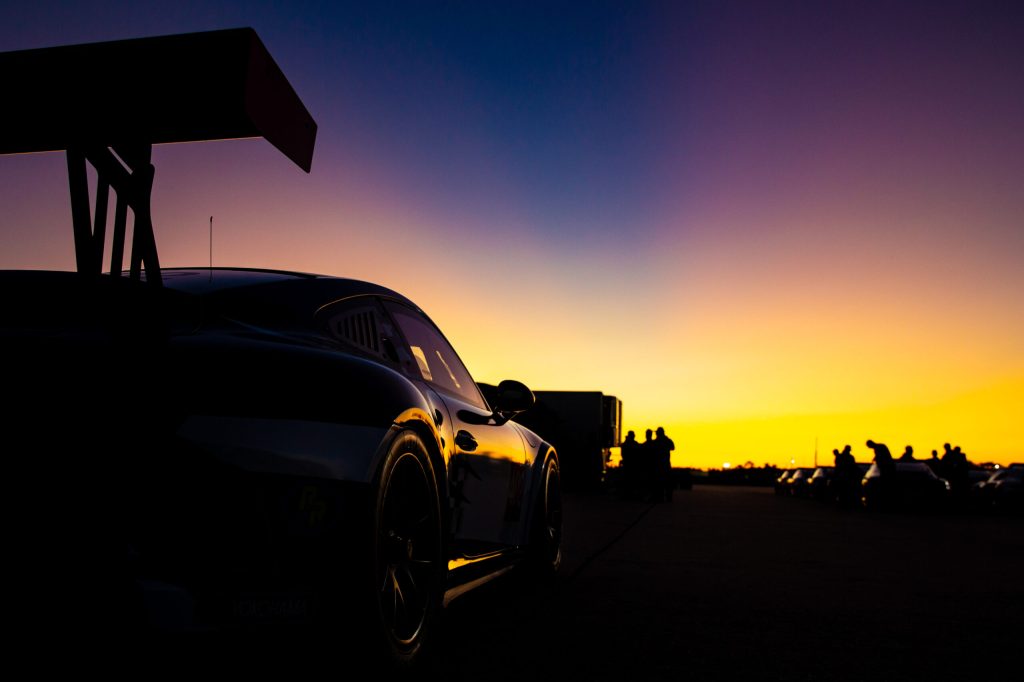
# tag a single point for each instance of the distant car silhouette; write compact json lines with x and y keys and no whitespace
{"x":1008,"y":491}
{"x":1002,"y":490}
{"x":820,"y":484}
{"x":781,"y":482}
{"x":909,"y":485}
{"x":276,"y":446}
{"x":981,"y":491}
{"x":799,"y":483}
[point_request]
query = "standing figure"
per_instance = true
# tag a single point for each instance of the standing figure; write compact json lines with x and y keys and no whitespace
{"x":647,"y":463}
{"x":630,"y":464}
{"x":947,"y":461}
{"x":958,"y":473}
{"x":908,"y":454}
{"x":663,"y":476}
{"x":847,"y":477}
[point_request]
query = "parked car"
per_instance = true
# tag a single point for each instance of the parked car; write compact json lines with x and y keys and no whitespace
{"x":906,"y":485}
{"x":1002,"y":490}
{"x":981,"y":491}
{"x":820,"y":484}
{"x":782,"y":480}
{"x":1008,"y":491}
{"x":799,"y":483}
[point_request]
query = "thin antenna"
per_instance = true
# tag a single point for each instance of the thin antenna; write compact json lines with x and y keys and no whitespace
{"x":211,"y":248}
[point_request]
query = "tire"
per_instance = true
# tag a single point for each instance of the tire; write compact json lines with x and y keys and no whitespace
{"x":409,"y":566}
{"x":546,"y":527}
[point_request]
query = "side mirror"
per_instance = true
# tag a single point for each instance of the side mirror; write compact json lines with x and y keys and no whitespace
{"x":511,"y":398}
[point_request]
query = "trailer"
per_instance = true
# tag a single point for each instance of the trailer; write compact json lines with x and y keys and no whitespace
{"x":583,"y":426}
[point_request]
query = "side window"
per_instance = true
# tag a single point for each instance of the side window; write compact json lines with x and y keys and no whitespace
{"x":433,"y":359}
{"x":361,"y":325}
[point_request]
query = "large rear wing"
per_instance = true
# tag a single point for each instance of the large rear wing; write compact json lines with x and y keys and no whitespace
{"x":108,"y":103}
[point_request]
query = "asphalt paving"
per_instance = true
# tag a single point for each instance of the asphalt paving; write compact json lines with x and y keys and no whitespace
{"x":729,"y":583}
{"x":723,"y":583}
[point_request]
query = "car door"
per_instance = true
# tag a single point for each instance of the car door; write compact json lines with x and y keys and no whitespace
{"x":488,"y":464}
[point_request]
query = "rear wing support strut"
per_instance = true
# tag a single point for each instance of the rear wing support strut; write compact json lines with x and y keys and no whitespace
{"x":217,"y":85}
{"x":128,"y":171}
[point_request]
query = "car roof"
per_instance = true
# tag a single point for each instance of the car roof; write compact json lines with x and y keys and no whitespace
{"x":912,"y":466}
{"x":275,"y":298}
{"x":207,"y":280}
{"x":301,"y":289}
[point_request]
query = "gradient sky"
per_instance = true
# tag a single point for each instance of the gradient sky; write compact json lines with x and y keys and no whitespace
{"x":759,"y":224}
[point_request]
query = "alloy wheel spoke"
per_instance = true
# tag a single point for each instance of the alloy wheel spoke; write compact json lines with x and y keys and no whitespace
{"x":401,"y":610}
{"x":410,"y":595}
{"x":388,"y":573}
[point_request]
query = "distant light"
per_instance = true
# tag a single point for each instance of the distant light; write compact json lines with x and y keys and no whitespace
{"x":997,"y":466}
{"x":793,"y":461}
{"x":726,"y":465}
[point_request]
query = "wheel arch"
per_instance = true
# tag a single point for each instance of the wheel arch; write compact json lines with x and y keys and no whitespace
{"x":545,"y":451}
{"x":420,"y":423}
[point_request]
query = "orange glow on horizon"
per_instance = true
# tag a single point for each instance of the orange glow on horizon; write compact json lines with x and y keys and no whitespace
{"x":749,"y":247}
{"x":742,"y":355}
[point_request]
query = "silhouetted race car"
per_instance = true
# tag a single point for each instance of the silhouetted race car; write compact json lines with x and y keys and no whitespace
{"x":906,"y":485}
{"x":195,"y":448}
{"x":275,"y":446}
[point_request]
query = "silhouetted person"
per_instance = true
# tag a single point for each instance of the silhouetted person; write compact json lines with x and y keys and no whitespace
{"x":886,"y":468}
{"x":847,"y":455}
{"x":663,"y":447}
{"x":935,"y":464}
{"x":908,"y":455}
{"x":947,"y":461}
{"x":847,"y":477}
{"x":648,"y":459}
{"x":883,"y":458}
{"x":837,"y":469}
{"x":630,"y":464}
{"x":958,"y":472}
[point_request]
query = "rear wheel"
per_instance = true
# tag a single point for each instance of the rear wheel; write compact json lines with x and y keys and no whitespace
{"x":409,"y":566}
{"x":546,"y":533}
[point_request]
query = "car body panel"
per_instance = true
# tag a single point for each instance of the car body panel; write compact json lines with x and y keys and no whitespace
{"x":228,"y":408}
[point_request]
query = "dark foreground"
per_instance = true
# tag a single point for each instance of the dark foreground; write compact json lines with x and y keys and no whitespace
{"x":736,"y":583}
{"x":724,"y":583}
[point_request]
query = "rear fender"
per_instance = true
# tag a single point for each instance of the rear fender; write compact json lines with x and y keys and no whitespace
{"x":286,"y":409}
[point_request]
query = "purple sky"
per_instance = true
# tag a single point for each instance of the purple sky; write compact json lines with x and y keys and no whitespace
{"x":724,"y":213}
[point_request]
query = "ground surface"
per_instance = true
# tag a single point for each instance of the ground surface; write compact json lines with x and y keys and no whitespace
{"x":736,"y":583}
{"x":724,"y":583}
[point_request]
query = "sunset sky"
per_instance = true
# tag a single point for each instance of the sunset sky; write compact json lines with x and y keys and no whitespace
{"x":759,"y":224}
